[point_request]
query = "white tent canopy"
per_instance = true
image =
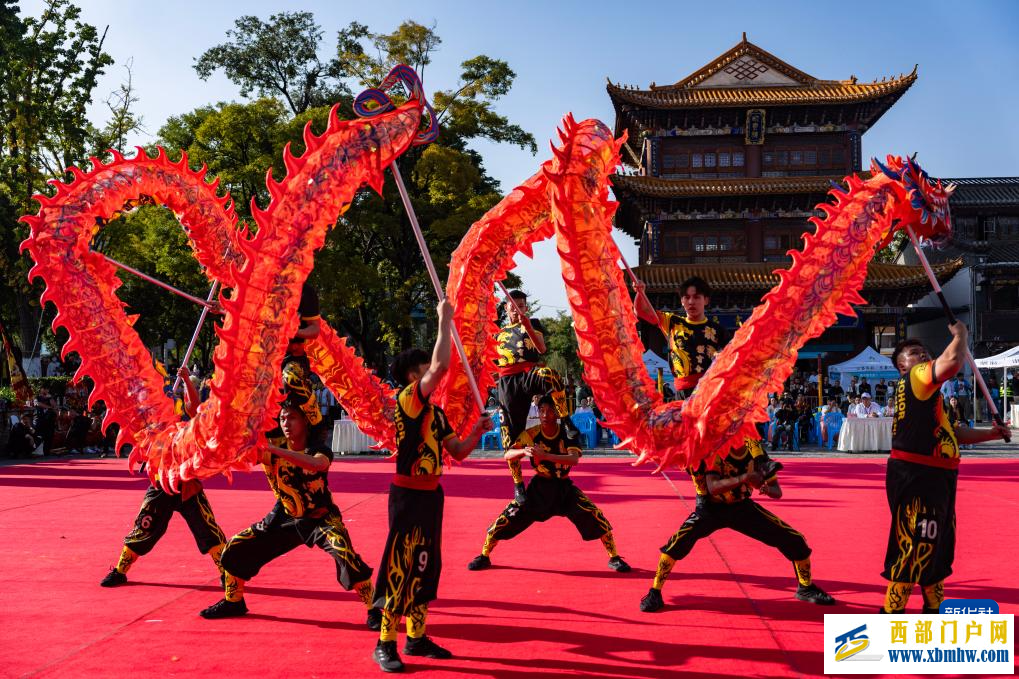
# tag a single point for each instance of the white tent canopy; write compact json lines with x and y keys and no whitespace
{"x":653,"y":362}
{"x":868,"y":363}
{"x":1005,"y":359}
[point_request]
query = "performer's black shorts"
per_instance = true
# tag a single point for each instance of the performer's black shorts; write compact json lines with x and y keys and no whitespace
{"x":745,"y":517}
{"x":516,"y":392}
{"x":279,"y":533}
{"x":412,"y":560}
{"x":921,"y":540}
{"x":546,"y":498}
{"x":157,"y":510}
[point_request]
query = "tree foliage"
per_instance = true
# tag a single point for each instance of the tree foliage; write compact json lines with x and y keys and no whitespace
{"x":49,"y":70}
{"x":561,"y":341}
{"x":369,"y":274}
{"x":278,"y":58}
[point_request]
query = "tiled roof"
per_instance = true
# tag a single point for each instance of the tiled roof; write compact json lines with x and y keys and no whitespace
{"x":741,"y":186}
{"x":981,"y":191}
{"x":824,"y":92}
{"x":753,"y":276}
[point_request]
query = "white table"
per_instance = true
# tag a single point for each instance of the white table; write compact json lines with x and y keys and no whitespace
{"x":1014,"y":415}
{"x":866,"y":433}
{"x":347,"y":438}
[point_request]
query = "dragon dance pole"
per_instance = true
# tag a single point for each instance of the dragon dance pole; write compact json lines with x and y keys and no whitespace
{"x":977,"y":377}
{"x":198,"y":328}
{"x":405,"y":197}
{"x":633,"y":276}
{"x":155,"y":281}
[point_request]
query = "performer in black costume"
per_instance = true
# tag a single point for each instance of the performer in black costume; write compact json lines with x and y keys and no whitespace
{"x":304,"y":514}
{"x":412,"y":560}
{"x":723,"y":489}
{"x":922,"y":473}
{"x":158,"y":508}
{"x":522,"y":376}
{"x":553,"y":453}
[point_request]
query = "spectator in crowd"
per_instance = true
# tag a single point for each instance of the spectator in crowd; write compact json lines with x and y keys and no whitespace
{"x":889,"y":409}
{"x":832,"y":407}
{"x":954,"y":412}
{"x":836,"y":391}
{"x":881,"y":391}
{"x":804,"y":417}
{"x":44,"y":422}
{"x":849,"y":407}
{"x":995,"y":391}
{"x":785,"y":420}
{"x":77,"y":433}
{"x":532,"y":412}
{"x":864,"y":386}
{"x":866,"y":407}
{"x":22,"y":440}
{"x":585,"y":406}
{"x":963,"y":392}
{"x":854,"y":387}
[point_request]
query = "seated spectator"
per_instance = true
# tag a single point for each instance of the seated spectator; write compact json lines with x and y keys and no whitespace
{"x":889,"y":409}
{"x":77,"y":433}
{"x":585,"y":406}
{"x":866,"y":407}
{"x":22,"y":440}
{"x":953,"y":411}
{"x":832,"y":407}
{"x":803,"y":417}
{"x":785,"y":420}
{"x":849,"y":407}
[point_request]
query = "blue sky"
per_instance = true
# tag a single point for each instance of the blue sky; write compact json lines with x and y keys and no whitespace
{"x":960,"y":115}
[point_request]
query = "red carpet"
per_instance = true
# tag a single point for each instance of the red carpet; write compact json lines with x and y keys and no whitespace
{"x":549,"y":606}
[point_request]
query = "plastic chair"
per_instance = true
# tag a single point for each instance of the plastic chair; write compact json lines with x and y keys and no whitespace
{"x":833,"y":423}
{"x":588,"y":428}
{"x":494,"y":436}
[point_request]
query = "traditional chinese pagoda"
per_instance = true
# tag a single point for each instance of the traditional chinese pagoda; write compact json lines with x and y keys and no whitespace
{"x":726,"y":166}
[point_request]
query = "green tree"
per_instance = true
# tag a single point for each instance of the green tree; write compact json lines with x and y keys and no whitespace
{"x":369,"y":274}
{"x":561,"y":341}
{"x":276,"y":59}
{"x":49,"y":69}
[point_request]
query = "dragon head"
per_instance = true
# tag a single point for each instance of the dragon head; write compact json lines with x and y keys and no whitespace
{"x":925,"y":207}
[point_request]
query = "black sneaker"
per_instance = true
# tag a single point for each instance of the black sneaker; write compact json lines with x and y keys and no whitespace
{"x":617,"y":564}
{"x":815,"y":595}
{"x":520,"y":493}
{"x":225,"y":609}
{"x":386,"y":656}
{"x":425,"y":647}
{"x":374,"y":622}
{"x":480,"y":563}
{"x":113,"y":579}
{"x":652,"y":601}
{"x":931,"y":611}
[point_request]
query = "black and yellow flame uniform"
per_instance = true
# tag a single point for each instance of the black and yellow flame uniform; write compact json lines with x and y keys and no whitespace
{"x":522,"y":376}
{"x":304,"y":514}
{"x":920,"y":483}
{"x":408,"y":577}
{"x":734,"y":509}
{"x":692,"y":347}
{"x":297,"y":371}
{"x":550,"y":493}
{"x":153,"y":518}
